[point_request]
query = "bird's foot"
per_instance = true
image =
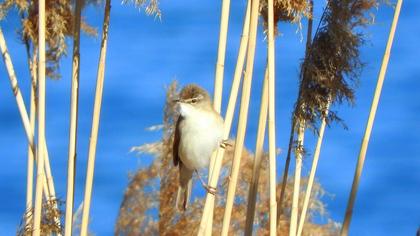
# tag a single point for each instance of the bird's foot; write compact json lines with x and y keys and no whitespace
{"x":210,"y":189}
{"x":225,"y":143}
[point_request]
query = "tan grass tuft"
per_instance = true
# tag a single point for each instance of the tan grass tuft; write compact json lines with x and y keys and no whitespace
{"x":285,"y":10}
{"x":51,"y":210}
{"x":59,"y":26}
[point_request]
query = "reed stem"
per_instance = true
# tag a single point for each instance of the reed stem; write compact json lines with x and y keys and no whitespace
{"x":47,"y":182}
{"x":32,"y":120}
{"x":272,"y":119}
{"x":73,"y":120}
{"x":243,"y":116}
{"x":41,"y":119}
{"x":220,"y":64}
{"x":313,"y":171}
{"x":206,"y":220}
{"x":259,"y":151}
{"x":95,"y":121}
{"x":370,"y":121}
{"x":296,"y":184}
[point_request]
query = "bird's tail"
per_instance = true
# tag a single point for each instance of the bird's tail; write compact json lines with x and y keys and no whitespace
{"x":183,"y":196}
{"x":184,"y":189}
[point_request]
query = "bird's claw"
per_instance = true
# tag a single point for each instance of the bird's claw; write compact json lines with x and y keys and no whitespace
{"x":225,"y":143}
{"x":210,"y":189}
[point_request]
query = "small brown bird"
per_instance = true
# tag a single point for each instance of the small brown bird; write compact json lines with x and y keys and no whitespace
{"x":198,"y":132}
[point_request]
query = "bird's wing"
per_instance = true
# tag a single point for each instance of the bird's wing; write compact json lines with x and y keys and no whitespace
{"x":177,"y":138}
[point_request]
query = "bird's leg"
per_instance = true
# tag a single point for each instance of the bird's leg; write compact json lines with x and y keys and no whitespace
{"x":211,"y":190}
{"x":224,"y":143}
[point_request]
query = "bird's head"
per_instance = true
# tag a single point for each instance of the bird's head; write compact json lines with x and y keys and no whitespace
{"x":193,"y":97}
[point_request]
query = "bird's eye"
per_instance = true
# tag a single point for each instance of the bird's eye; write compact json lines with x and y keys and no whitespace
{"x":194,"y":100}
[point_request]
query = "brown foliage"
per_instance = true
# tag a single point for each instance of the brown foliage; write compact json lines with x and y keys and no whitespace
{"x":148,"y":206}
{"x":332,"y":66}
{"x":59,"y":25}
{"x":285,"y":10}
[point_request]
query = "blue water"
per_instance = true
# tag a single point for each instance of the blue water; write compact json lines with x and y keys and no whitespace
{"x":146,"y":54}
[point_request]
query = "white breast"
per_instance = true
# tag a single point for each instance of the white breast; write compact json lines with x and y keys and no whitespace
{"x":201,"y":133}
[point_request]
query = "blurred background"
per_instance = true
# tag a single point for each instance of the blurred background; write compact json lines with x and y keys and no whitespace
{"x":145,"y":54}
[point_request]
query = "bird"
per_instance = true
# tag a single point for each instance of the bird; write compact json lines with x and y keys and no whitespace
{"x":198,"y":133}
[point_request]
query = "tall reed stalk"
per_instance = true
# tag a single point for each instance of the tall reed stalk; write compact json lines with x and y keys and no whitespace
{"x":243,"y":116}
{"x":259,"y":151}
{"x":286,"y":171}
{"x":206,"y":220}
{"x":73,"y":120}
{"x":220,"y":64}
{"x":47,"y":181}
{"x":272,"y":119}
{"x":32,"y":119}
{"x":296,"y":183}
{"x":370,"y":121}
{"x":95,"y":121}
{"x":313,"y":171}
{"x":41,"y":118}
{"x":32,"y":114}
{"x":218,"y":80}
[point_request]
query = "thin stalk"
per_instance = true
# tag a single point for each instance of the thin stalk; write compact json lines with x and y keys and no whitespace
{"x":296,"y":184}
{"x":272,"y":119}
{"x":259,"y":151}
{"x":206,"y":222}
{"x":48,"y":183}
{"x":243,"y":116}
{"x":73,"y":119}
{"x":369,"y":125}
{"x":32,"y":114}
{"x":41,"y":118}
{"x":286,"y":171}
{"x":313,"y":170}
{"x":95,"y":122}
{"x":220,"y":64}
{"x":292,"y":128}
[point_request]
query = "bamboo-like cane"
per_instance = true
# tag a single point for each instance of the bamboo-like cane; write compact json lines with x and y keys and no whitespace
{"x":296,"y":184}
{"x":31,"y":157}
{"x":271,"y":119}
{"x":209,"y":207}
{"x":313,"y":170}
{"x":220,"y":64}
{"x":48,"y":182}
{"x":243,"y":116}
{"x":259,"y":150}
{"x":369,"y":125}
{"x":22,"y":108}
{"x":41,"y":118}
{"x":95,"y":121}
{"x":73,"y":120}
